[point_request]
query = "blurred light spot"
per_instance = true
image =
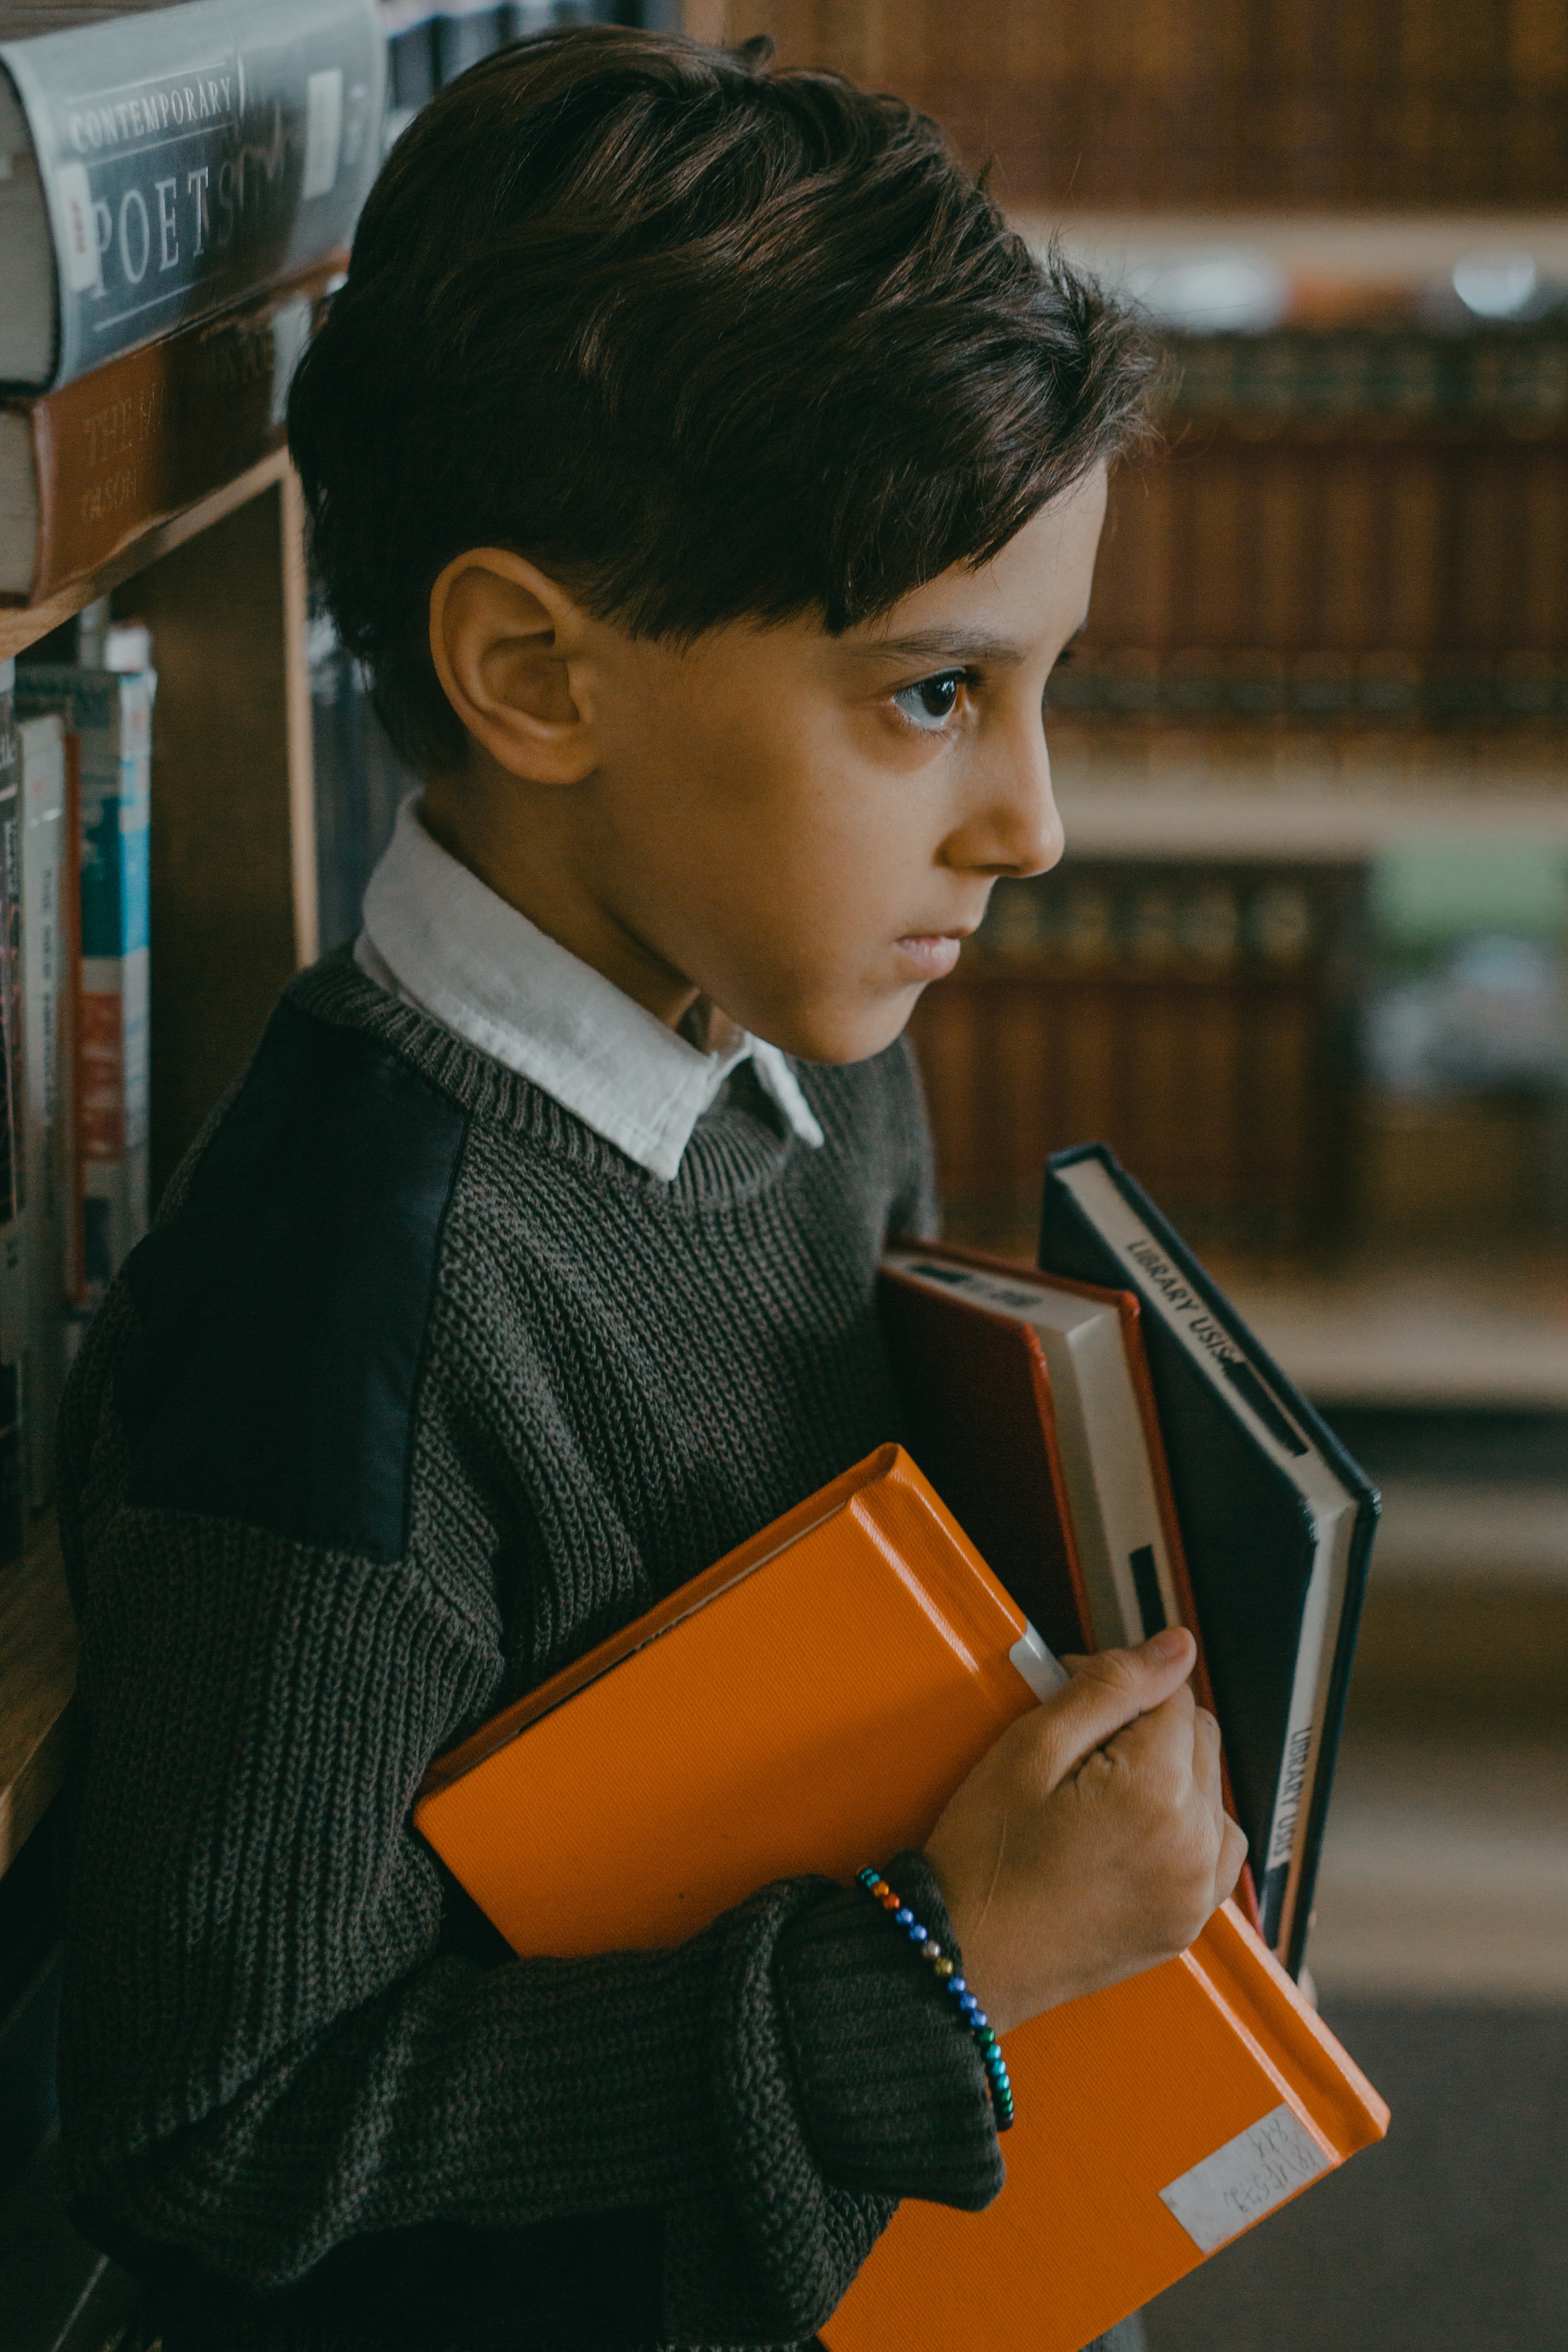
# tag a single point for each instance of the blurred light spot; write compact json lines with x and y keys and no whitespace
{"x":1494,"y":284}
{"x":1225,"y":290}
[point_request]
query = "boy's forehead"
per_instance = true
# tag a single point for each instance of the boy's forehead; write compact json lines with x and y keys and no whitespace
{"x":1035,"y":588}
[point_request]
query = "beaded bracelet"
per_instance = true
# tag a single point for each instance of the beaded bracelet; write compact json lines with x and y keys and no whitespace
{"x":967,"y":2003}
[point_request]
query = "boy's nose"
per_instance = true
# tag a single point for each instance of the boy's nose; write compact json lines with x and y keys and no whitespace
{"x":1015,"y":830}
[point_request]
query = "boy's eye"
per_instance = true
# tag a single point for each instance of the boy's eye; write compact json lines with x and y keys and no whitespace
{"x":930,"y":703}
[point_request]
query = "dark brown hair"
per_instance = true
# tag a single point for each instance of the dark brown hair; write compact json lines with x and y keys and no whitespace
{"x":703,"y":340}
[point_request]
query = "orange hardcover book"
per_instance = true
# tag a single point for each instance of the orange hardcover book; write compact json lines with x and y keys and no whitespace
{"x":808,"y":1703}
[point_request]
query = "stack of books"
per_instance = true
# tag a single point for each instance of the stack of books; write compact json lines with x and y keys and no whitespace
{"x":178,"y":193}
{"x":1103,"y":1451}
{"x":178,"y":189}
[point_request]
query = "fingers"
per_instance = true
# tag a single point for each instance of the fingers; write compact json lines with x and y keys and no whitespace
{"x":1232,"y":1855}
{"x":1161,"y":1742}
{"x":1111,"y":1690}
{"x":1207,"y":1778}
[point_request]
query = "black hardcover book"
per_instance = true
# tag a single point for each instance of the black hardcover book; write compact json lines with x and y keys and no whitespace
{"x":1277,"y":1520}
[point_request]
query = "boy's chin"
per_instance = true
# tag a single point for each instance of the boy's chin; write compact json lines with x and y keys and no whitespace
{"x":845,"y":1032}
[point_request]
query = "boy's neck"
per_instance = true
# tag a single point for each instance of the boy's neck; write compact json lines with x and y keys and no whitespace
{"x":529,"y":856}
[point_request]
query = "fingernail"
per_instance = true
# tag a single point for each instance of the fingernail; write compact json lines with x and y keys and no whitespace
{"x":1171,"y":1644}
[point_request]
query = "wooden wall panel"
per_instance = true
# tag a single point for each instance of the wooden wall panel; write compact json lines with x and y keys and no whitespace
{"x":228,"y":802}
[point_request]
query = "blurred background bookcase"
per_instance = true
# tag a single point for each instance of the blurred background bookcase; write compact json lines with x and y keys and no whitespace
{"x":1324,"y":694}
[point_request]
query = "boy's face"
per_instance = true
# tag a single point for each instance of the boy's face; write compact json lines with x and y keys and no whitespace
{"x":803,"y":828}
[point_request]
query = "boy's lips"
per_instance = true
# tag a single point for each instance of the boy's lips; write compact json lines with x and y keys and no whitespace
{"x":934,"y":952}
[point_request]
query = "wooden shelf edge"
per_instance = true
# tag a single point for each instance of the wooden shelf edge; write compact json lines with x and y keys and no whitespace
{"x":28,"y":1798}
{"x":23,"y":625}
{"x":38,"y":1680}
{"x":1382,"y":246}
{"x":1135,"y":822}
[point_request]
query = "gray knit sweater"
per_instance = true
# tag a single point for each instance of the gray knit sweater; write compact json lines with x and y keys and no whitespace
{"x":418,"y":1390}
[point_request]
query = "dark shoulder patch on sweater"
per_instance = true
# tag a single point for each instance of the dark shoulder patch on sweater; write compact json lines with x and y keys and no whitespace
{"x":282,"y":1310}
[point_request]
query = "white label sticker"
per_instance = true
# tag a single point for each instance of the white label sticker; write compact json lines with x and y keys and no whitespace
{"x":1245,"y":2179}
{"x":1036,"y":1664}
{"x":84,"y":272}
{"x":323,"y":131}
{"x":290,"y":333}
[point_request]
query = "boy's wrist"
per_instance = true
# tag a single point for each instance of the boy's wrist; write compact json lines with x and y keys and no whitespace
{"x":895,"y":2096}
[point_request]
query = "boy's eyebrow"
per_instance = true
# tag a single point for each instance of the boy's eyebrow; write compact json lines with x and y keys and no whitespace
{"x":952,"y":646}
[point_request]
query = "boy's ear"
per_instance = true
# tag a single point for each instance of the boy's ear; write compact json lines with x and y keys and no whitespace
{"x":507,"y":642}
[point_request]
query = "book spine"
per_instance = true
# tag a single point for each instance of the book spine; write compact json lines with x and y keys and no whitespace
{"x":111,"y":714}
{"x":44,"y":1133}
{"x":191,"y":155}
{"x":68,"y":1098}
{"x":113,"y":1044}
{"x":13,"y":1234}
{"x":124,"y":448}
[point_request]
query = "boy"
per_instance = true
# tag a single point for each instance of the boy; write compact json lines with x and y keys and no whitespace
{"x":709,"y":483}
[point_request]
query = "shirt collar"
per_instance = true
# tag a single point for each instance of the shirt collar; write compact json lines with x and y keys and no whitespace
{"x":446,"y":942}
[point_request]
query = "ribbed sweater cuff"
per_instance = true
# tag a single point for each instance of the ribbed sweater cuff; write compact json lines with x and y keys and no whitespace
{"x":892,"y":2092}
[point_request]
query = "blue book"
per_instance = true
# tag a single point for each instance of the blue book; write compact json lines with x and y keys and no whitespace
{"x":1276,"y":1518}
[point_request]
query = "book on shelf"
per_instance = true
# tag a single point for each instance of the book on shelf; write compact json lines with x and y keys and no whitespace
{"x":1199,"y":1015}
{"x":1368,"y":380}
{"x":161,"y":162}
{"x":110,"y":714}
{"x":1143,"y":109}
{"x":429,"y":46}
{"x":1327,"y":581}
{"x":14,"y":1303}
{"x":85,"y":469}
{"x":360,"y":782}
{"x":1277,"y":1522}
{"x":1155,"y":2120}
{"x":50,"y":996}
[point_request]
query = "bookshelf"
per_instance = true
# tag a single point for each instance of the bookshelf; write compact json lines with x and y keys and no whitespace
{"x":37,"y":1674}
{"x":232,"y":914}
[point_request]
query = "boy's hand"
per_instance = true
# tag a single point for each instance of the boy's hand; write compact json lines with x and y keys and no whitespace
{"x":1091,"y":1842}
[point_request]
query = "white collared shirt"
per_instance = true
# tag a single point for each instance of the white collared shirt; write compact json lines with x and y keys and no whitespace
{"x":437,"y":935}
